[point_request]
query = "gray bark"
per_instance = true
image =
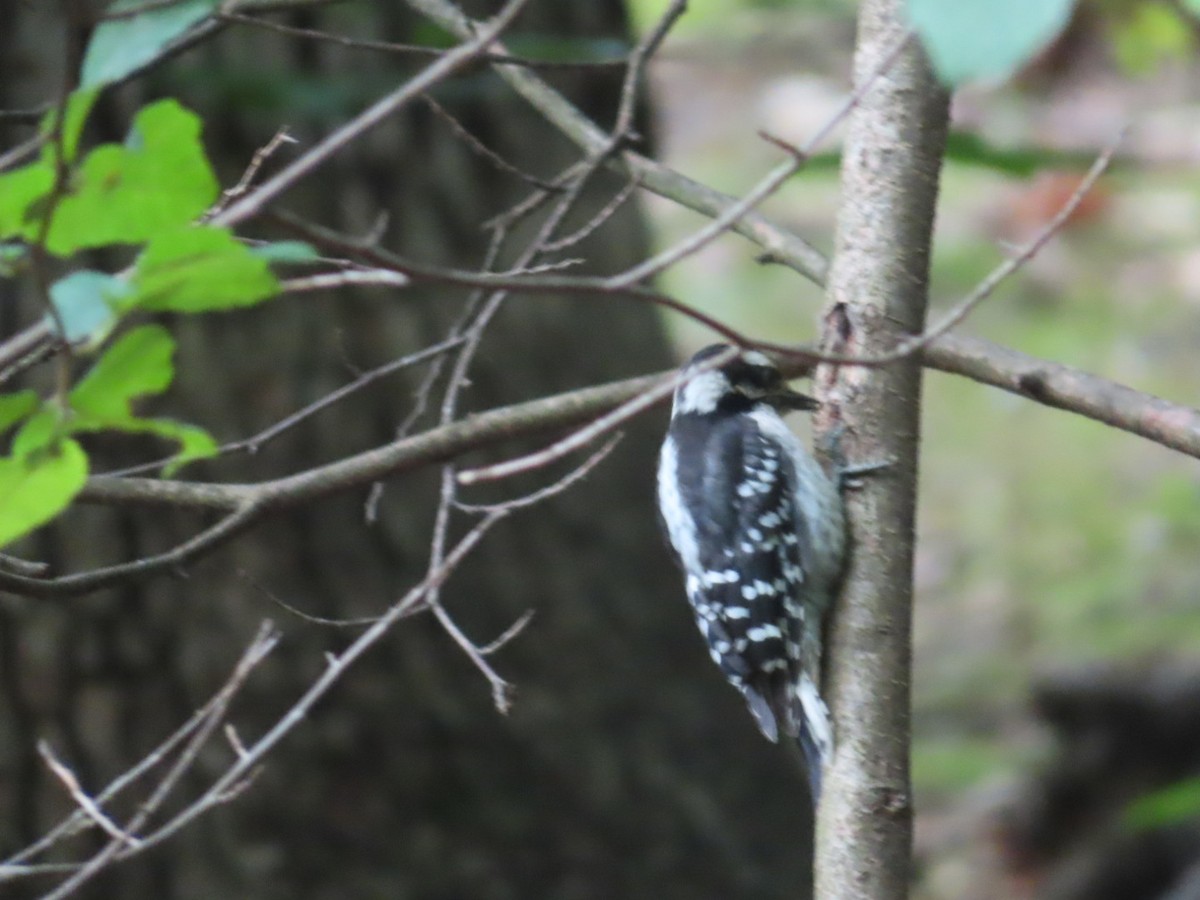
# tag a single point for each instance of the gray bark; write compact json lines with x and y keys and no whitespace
{"x":877,"y":292}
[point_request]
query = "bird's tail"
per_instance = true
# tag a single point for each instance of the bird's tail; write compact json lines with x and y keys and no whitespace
{"x":810,"y":725}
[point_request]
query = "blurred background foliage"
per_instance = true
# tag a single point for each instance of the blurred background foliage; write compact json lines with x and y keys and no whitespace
{"x":1048,"y":543}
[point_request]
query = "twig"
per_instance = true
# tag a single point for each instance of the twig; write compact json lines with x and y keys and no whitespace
{"x":538,"y":496}
{"x":89,"y":806}
{"x":789,"y":248}
{"x":501,"y":688}
{"x":589,"y":433}
{"x":772,"y":182}
{"x":497,"y":59}
{"x":264,"y":641}
{"x":349,"y":278}
{"x":605,"y":213}
{"x":256,"y":442}
{"x":442,"y":68}
{"x":508,"y":634}
{"x":261,"y":155}
{"x":998,"y":275}
{"x":481,"y":150}
{"x":1063,"y":387}
{"x":25,"y":567}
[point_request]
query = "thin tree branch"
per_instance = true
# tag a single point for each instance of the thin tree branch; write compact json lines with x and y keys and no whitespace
{"x":90,"y":807}
{"x":18,"y":865}
{"x":1053,"y":384}
{"x":498,"y":59}
{"x":790,"y":249}
{"x":1063,"y":387}
{"x":442,"y":68}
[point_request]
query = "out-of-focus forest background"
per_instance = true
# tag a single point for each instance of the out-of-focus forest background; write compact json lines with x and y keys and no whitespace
{"x":1057,"y":657}
{"x":1058,"y":564}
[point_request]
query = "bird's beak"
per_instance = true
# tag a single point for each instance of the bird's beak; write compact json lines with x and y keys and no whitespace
{"x":789,"y":399}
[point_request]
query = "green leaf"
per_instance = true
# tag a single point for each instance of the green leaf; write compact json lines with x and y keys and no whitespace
{"x":87,"y":304}
{"x":194,"y":442}
{"x":139,"y":363}
{"x":197,"y":269}
{"x":38,"y":432}
{"x":20,"y":189}
{"x":79,"y":104}
{"x":160,"y":179}
{"x":1192,"y":6}
{"x":286,"y":252}
{"x":121,"y":46}
{"x":1171,"y":805}
{"x":982,"y":39}
{"x":34,"y":488}
{"x":14,"y":407}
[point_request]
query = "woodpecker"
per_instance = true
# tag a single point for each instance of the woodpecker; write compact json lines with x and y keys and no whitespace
{"x":758,"y":528}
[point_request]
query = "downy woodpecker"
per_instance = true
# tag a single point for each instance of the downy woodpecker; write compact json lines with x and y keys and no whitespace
{"x":759,"y":531}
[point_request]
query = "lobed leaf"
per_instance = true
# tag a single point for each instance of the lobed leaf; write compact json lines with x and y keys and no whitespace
{"x":137,"y":364}
{"x":159,"y":179}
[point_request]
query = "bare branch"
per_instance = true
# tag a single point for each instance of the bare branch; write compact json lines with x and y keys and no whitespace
{"x":256,"y":442}
{"x":348,"y":278}
{"x":89,"y":806}
{"x":498,"y":59}
{"x":18,"y":865}
{"x":261,"y":155}
{"x":723,"y":221}
{"x":1063,"y":387}
{"x":502,"y":689}
{"x":442,"y":68}
{"x":789,"y":248}
{"x":481,"y":150}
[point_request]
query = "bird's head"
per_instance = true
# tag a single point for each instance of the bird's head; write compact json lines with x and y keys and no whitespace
{"x":744,"y":381}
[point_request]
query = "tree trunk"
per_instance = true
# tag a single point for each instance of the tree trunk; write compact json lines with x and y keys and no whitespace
{"x":877,"y":293}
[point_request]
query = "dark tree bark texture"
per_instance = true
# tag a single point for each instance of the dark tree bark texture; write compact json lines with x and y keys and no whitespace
{"x":626,"y":768}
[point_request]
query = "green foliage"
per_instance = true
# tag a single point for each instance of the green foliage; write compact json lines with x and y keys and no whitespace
{"x":15,"y":407}
{"x":121,"y":46}
{"x":286,"y":252}
{"x":74,"y":116}
{"x":1172,"y":805}
{"x":19,"y":189}
{"x":148,"y":193}
{"x":137,"y":365}
{"x":36,"y":486}
{"x":1150,"y":34}
{"x":969,"y":40}
{"x":197,"y":269}
{"x":159,"y":179}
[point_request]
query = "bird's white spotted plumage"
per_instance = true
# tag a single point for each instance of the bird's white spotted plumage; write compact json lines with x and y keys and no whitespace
{"x":758,"y":529}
